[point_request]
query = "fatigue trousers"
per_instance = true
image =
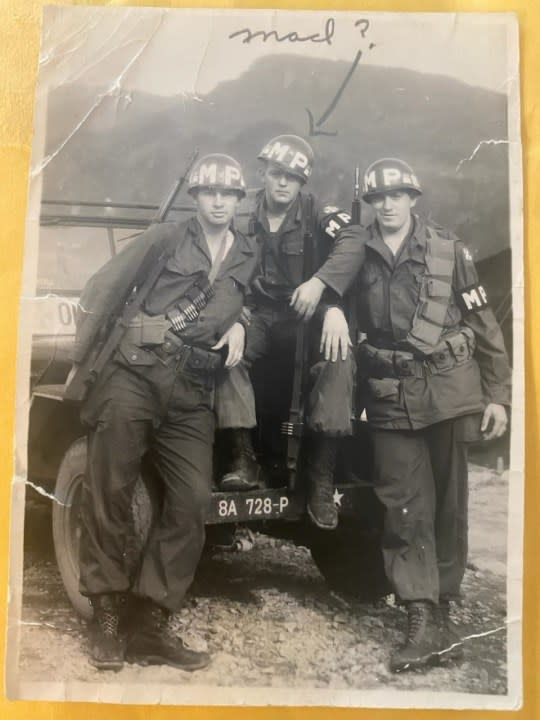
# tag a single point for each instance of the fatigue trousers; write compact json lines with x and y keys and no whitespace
{"x":421,"y":479}
{"x":329,"y":405}
{"x":168,"y":414}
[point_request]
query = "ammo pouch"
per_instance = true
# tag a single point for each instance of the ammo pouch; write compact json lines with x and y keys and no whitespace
{"x":147,"y":329}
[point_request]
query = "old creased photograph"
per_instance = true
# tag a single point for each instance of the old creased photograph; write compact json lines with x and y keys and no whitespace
{"x":269,"y":437}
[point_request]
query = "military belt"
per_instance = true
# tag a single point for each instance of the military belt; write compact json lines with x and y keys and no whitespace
{"x":187,"y":357}
{"x":382,"y":363}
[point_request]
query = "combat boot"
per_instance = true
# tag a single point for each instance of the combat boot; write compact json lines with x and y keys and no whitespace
{"x":452,"y":641}
{"x":424,"y":642}
{"x":244,"y":472}
{"x":320,"y":465}
{"x":107,"y":645}
{"x":154,"y":642}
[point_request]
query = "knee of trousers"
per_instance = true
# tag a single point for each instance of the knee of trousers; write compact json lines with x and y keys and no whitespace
{"x":191,"y":501}
{"x":234,"y":403}
{"x":330,"y":406}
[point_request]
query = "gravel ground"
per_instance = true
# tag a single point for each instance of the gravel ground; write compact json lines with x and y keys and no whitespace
{"x":269,"y":620}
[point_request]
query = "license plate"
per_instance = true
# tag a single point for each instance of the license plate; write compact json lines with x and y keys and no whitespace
{"x":253,"y":505}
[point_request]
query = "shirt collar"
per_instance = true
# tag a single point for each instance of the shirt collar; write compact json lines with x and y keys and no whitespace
{"x":413,"y":246}
{"x":292,"y":217}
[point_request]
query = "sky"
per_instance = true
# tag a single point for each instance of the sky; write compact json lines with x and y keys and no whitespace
{"x":169,"y":52}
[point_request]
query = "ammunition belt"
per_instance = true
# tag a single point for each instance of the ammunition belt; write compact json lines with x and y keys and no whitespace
{"x":382,"y":363}
{"x":188,"y":308}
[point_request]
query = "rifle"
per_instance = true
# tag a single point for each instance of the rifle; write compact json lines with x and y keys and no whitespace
{"x":166,"y":205}
{"x":87,"y":372}
{"x":293,"y":428}
{"x":356,"y":207}
{"x":352,"y":308}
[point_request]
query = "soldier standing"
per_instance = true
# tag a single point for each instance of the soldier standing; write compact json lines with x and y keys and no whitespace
{"x":433,"y":374}
{"x":282,"y":219}
{"x":156,"y":395}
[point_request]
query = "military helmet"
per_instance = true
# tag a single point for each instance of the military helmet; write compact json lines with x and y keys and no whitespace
{"x":389,"y":174}
{"x":217,"y":171}
{"x":290,"y":153}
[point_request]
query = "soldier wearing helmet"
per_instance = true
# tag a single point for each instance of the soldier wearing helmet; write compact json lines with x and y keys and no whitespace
{"x":283,"y":217}
{"x":434,"y":374}
{"x":156,"y":395}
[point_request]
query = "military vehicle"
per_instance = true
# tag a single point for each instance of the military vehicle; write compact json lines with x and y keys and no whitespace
{"x":77,"y":238}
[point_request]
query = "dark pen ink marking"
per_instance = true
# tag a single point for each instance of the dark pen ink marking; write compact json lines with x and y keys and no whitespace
{"x":365,"y":26}
{"x":293,"y":36}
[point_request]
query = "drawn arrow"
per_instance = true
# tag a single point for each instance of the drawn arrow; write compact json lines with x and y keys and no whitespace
{"x":314,"y":126}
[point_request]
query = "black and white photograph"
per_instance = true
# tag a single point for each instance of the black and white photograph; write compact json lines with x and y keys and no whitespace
{"x":270,"y":396}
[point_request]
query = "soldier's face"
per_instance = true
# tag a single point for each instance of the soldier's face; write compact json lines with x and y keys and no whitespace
{"x":216,"y":206}
{"x":281,"y":187}
{"x":393,"y":209}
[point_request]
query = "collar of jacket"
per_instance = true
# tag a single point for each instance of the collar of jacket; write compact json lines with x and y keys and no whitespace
{"x":193,"y":229}
{"x":413,"y":248}
{"x":293,"y":216}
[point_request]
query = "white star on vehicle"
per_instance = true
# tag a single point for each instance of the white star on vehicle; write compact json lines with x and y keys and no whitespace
{"x":337,"y":497}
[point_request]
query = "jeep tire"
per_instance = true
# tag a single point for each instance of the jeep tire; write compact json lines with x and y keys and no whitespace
{"x":66,"y":521}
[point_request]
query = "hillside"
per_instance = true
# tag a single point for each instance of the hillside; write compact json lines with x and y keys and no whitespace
{"x":134,"y":144}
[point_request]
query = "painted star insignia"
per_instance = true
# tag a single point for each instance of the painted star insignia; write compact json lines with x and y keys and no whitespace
{"x":337,"y":497}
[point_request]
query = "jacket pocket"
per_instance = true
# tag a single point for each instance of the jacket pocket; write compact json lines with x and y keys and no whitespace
{"x":384,"y":388}
{"x":147,"y":330}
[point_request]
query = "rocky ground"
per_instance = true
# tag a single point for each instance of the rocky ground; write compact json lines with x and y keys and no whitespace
{"x":269,"y":620}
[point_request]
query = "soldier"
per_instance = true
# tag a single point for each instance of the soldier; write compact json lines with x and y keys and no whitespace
{"x":157,"y":395}
{"x":282,"y":219}
{"x":434,"y":375}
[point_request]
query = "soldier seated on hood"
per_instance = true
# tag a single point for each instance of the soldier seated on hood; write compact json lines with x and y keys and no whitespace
{"x":283,"y":220}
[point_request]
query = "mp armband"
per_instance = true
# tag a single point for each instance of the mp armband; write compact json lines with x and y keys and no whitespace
{"x":334,"y":220}
{"x":472,"y":299}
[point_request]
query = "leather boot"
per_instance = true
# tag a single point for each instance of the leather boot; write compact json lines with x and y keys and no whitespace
{"x":107,"y":645}
{"x":424,"y":643}
{"x":320,"y":465}
{"x":453,"y":644}
{"x":153,"y":641}
{"x":244,"y":472}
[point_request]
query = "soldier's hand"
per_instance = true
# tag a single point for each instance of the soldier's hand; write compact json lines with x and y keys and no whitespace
{"x":335,"y":335}
{"x":235,"y":339}
{"x":306,"y":297}
{"x":494,"y":421}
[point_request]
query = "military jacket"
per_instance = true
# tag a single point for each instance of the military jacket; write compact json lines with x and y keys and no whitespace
{"x":190,"y":257}
{"x":387,"y":292}
{"x":282,"y":252}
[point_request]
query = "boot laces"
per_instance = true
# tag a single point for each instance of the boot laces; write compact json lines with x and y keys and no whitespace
{"x":108,"y":622}
{"x":416,"y":622}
